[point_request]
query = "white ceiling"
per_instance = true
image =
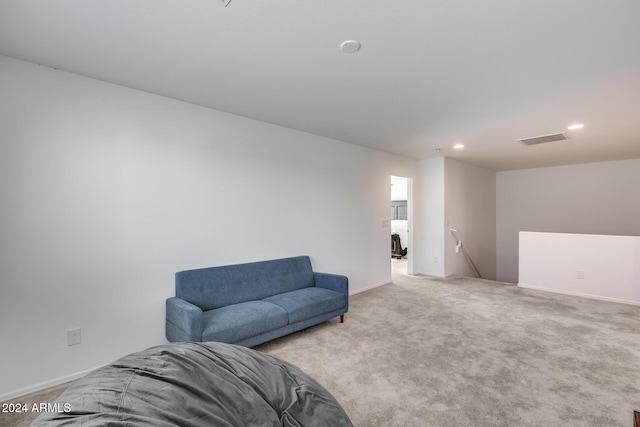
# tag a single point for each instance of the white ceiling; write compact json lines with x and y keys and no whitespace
{"x":430,"y":73}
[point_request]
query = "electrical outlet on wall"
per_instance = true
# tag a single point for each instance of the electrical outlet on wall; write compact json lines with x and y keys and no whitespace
{"x":74,"y":336}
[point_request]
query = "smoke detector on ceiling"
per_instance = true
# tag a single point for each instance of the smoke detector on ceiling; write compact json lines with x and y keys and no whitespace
{"x":350,"y":46}
{"x":543,"y":138}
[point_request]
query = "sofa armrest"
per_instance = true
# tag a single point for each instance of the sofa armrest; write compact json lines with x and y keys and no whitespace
{"x":334,"y":282}
{"x":184,"y":321}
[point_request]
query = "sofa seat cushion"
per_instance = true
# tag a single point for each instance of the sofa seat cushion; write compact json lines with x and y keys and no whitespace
{"x":308,"y":302}
{"x":236,"y":322}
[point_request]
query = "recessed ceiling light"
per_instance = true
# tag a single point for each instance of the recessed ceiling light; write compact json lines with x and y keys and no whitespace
{"x":350,"y":46}
{"x":575,"y":126}
{"x":458,"y":146}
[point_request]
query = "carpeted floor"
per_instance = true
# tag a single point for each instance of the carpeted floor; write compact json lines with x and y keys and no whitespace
{"x":11,"y":418}
{"x":470,"y":352}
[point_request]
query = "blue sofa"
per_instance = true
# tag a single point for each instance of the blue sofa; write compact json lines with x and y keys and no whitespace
{"x":248,"y":304}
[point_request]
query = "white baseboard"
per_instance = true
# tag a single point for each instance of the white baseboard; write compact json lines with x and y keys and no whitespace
{"x":368,"y":288}
{"x":578,"y":294}
{"x":44,"y":385}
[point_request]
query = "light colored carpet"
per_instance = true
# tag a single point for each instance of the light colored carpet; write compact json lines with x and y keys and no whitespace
{"x":470,"y":352}
{"x":24,"y":419}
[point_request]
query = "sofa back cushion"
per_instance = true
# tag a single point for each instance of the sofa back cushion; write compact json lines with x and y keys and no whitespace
{"x":216,"y":287}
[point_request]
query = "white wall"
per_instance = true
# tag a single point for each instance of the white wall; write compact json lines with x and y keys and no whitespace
{"x":108,"y":191}
{"x":589,"y":265}
{"x":461,"y":196}
{"x":470,"y":208}
{"x":428,"y":222}
{"x":594,"y":198}
{"x":399,"y":188}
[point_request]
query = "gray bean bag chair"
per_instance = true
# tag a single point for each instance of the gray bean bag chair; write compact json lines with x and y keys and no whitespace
{"x":197,"y":384}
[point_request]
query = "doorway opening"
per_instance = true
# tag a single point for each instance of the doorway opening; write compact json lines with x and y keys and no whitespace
{"x":400,"y":224}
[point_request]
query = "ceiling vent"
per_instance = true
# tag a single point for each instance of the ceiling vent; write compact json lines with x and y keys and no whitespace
{"x":544,"y":138}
